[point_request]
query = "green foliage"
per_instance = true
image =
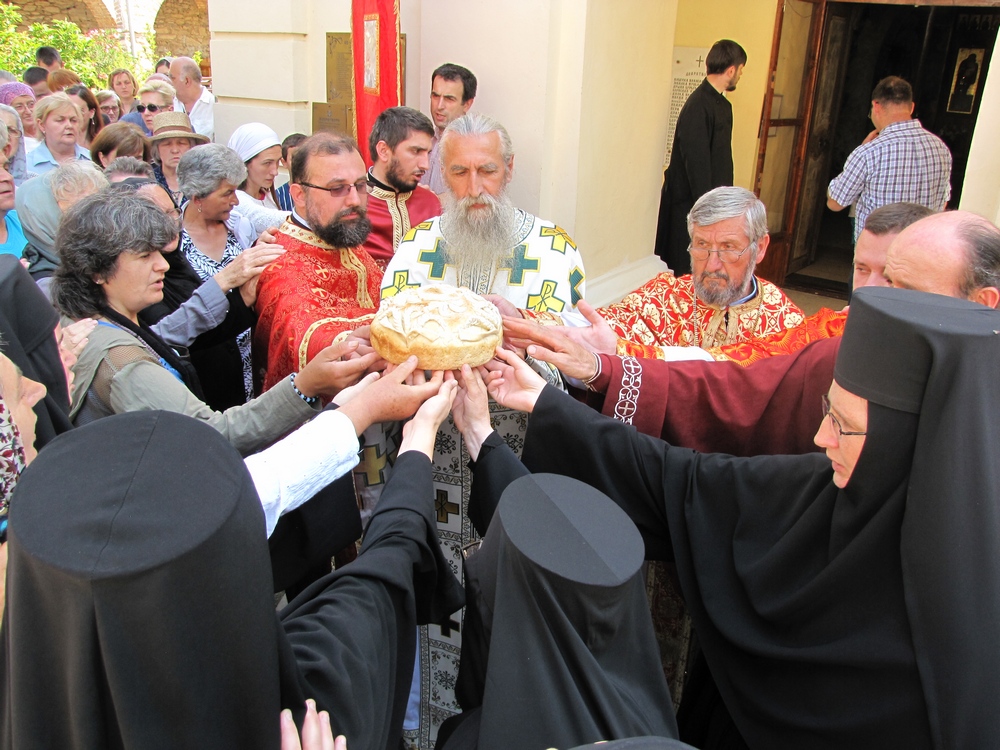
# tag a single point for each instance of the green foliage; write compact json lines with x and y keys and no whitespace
{"x":91,"y":55}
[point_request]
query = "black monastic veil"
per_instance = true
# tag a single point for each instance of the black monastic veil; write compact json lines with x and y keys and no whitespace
{"x":864,"y":617}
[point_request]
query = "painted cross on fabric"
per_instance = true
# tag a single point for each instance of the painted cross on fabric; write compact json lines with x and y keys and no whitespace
{"x":374,"y":462}
{"x":443,"y":507}
{"x":519,"y":264}
{"x":436,"y":259}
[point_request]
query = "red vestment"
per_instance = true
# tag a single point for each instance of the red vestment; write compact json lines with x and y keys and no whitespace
{"x":771,"y":407}
{"x":392,"y":214}
{"x":823,"y":324}
{"x":666,"y":312}
{"x":309,"y":298}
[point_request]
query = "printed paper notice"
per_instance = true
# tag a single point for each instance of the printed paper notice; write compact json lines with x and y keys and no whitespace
{"x":689,"y":72}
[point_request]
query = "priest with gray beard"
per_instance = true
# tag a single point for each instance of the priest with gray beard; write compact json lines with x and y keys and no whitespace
{"x":483,"y":242}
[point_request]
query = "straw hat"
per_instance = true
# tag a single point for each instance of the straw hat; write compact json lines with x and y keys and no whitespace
{"x":174,"y":125}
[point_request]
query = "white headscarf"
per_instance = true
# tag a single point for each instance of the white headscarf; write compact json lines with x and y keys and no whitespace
{"x":252,"y":138}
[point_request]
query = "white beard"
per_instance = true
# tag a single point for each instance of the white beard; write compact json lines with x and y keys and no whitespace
{"x":478,"y":239}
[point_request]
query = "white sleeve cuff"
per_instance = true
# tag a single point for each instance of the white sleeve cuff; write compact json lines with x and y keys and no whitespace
{"x":295,"y":468}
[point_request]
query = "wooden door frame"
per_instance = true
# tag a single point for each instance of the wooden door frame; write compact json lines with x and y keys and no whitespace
{"x":775,"y":264}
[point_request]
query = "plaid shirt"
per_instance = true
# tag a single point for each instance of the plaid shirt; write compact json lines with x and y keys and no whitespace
{"x":903,"y":163}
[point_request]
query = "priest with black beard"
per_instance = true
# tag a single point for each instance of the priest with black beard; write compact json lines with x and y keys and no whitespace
{"x":846,"y":600}
{"x":326,"y":284}
{"x":139,"y":608}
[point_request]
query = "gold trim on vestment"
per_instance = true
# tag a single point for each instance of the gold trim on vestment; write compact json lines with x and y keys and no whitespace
{"x":304,"y":346}
{"x":400,"y":219}
{"x":348,"y":258}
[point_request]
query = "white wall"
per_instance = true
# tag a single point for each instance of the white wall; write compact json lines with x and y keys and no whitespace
{"x":506,"y":44}
{"x":582,"y":86}
{"x":981,"y":190}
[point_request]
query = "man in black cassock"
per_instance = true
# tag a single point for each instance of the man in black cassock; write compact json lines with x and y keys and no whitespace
{"x":846,"y":600}
{"x":139,"y":606}
{"x":702,"y":154}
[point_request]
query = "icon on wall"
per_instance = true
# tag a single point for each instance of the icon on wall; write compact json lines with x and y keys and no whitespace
{"x":965,"y":81}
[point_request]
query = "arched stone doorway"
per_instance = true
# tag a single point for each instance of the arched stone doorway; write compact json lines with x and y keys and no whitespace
{"x":181,"y":28}
{"x":87,"y":14}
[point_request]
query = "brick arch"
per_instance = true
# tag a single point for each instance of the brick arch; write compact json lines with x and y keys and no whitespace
{"x":181,"y":28}
{"x":87,"y":14}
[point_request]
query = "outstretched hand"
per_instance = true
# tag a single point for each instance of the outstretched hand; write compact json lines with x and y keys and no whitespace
{"x":330,"y":371}
{"x":471,"y":410}
{"x":389,"y":397}
{"x":317,"y":734}
{"x":554,"y":345}
{"x":518,"y":386}
{"x":420,"y":433}
{"x":598,"y":336}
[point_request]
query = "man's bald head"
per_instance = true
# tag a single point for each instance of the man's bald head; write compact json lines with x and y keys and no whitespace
{"x":955,"y":253}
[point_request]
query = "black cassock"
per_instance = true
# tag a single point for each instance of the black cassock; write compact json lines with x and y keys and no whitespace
{"x":139,"y":605}
{"x":862,"y":617}
{"x":701,"y":159}
{"x":27,"y":337}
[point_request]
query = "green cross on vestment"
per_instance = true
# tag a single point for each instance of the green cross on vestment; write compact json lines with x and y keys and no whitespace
{"x":436,"y":259}
{"x":575,"y":279}
{"x":519,"y":264}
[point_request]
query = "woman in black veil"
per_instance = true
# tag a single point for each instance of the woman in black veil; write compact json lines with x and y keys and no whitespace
{"x":856,"y":605}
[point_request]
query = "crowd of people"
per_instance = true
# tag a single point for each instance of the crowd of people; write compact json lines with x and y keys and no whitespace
{"x":695,"y":517}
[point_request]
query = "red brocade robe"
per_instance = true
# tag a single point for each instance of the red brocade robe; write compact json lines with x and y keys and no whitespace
{"x":311,"y":297}
{"x":392,"y":214}
{"x":665,"y":312}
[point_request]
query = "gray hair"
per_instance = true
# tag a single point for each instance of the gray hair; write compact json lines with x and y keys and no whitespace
{"x":983,"y":252}
{"x":727,"y":203}
{"x":202,"y":170}
{"x":92,"y":236}
{"x":477,"y":124}
{"x":7,"y":77}
{"x":4,"y":135}
{"x":76,"y":180}
{"x":129,"y":166}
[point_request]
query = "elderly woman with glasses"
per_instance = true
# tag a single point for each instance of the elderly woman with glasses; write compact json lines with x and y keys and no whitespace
{"x":209,"y":176}
{"x":110,"y":105}
{"x":17,"y":160}
{"x":22,"y":99}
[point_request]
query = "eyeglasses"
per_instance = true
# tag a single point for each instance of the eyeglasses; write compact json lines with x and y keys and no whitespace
{"x":836,"y":422}
{"x":339,"y":191}
{"x":726,"y":255}
{"x":14,"y":132}
{"x":151,"y":107}
{"x":109,"y":108}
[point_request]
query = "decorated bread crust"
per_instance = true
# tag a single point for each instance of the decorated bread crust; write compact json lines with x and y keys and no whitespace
{"x":444,"y":326}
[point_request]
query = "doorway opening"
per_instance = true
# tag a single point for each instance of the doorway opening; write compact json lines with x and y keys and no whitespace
{"x":943,"y":51}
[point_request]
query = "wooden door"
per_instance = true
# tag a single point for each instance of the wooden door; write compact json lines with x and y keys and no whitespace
{"x":806,"y":223}
{"x":785,"y":122}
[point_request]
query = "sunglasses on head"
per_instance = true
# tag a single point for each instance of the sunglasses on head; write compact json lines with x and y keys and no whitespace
{"x":151,"y":107}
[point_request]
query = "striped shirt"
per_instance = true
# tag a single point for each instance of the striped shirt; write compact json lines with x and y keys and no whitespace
{"x":903,"y":163}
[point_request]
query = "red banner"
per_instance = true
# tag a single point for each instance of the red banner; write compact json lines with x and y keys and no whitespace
{"x":377,"y":78}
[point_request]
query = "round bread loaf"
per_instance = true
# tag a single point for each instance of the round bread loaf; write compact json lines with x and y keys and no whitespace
{"x":444,"y":326}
